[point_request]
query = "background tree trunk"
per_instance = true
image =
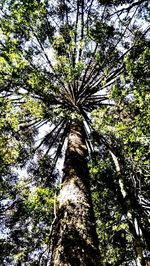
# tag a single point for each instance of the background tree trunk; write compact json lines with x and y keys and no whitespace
{"x":75,"y":243}
{"x":129,"y":210}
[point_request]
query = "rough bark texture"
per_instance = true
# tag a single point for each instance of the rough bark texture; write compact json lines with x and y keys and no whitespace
{"x":76,"y":242}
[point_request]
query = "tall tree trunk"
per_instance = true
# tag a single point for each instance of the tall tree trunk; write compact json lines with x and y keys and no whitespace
{"x":130,"y":213}
{"x":75,"y":243}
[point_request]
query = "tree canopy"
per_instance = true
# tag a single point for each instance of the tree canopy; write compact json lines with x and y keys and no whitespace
{"x":64,"y":61}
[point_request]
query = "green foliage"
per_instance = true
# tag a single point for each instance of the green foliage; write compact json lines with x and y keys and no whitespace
{"x":62,"y":62}
{"x":28,"y":221}
{"x":126,"y":125}
{"x":112,"y":226}
{"x":9,"y":147}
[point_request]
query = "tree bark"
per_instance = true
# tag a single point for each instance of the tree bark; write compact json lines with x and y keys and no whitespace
{"x":130,"y":214}
{"x":76,"y":242}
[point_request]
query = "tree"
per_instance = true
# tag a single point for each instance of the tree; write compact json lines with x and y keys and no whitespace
{"x":55,"y":70}
{"x":76,"y":241}
{"x":131,"y":143}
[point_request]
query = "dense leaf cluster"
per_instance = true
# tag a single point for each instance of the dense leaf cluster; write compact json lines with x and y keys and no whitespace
{"x":64,"y":61}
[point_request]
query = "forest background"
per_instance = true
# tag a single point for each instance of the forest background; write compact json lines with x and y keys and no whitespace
{"x":74,"y":62}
